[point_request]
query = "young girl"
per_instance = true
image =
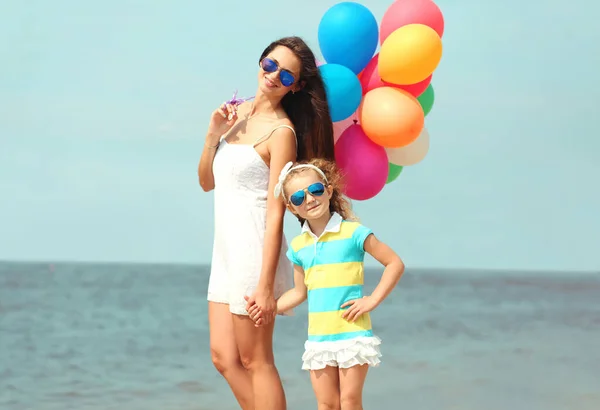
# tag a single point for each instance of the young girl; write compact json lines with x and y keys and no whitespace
{"x":328,"y":261}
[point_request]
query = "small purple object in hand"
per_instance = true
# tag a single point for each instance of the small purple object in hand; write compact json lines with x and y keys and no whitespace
{"x":237,"y":101}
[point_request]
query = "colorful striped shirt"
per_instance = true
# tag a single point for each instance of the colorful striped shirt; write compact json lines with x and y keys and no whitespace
{"x":333,"y":273}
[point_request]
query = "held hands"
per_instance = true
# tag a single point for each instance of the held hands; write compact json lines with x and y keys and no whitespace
{"x":222,"y":119}
{"x":254,"y":312}
{"x":261,"y":307}
{"x":358,"y":307}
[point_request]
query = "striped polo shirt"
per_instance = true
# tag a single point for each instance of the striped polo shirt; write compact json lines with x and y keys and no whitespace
{"x":333,"y":274}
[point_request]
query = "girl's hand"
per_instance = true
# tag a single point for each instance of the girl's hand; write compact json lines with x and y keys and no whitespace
{"x":222,"y":119}
{"x":358,"y":307}
{"x":254,"y":311}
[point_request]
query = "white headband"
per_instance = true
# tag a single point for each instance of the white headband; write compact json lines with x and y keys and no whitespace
{"x":287,"y":169}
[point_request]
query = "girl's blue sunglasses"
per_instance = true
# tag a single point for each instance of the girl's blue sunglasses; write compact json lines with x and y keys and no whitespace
{"x":286,"y":77}
{"x":316,"y":189}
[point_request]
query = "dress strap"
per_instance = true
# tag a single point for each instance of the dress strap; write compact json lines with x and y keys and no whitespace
{"x":268,"y":134}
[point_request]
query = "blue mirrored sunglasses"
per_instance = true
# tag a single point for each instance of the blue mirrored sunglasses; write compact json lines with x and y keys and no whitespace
{"x":286,"y":77}
{"x":316,"y":189}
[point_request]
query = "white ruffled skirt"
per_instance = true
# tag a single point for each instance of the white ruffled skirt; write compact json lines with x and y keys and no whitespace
{"x":341,"y":353}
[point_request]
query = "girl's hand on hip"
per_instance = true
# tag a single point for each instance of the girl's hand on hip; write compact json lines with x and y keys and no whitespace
{"x":222,"y":119}
{"x":358,"y":307}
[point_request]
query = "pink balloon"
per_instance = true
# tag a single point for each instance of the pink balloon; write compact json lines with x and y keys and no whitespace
{"x":415,"y":89}
{"x":363,"y":163}
{"x":370,"y":79}
{"x":340,"y":126}
{"x":403,"y":12}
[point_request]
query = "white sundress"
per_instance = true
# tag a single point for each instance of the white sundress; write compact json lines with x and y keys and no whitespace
{"x":240,"y":209}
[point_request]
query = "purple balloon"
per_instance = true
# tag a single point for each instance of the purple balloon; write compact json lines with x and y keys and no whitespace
{"x":363,"y":163}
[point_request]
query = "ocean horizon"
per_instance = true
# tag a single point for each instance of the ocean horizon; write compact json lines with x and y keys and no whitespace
{"x":128,"y":336}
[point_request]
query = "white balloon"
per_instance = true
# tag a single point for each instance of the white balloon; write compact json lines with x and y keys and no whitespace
{"x":412,"y":153}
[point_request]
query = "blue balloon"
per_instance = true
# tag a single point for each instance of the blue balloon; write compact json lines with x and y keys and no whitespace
{"x":343,"y":89}
{"x":348,"y":35}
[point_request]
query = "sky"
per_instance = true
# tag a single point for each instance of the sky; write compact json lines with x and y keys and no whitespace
{"x":104,"y":107}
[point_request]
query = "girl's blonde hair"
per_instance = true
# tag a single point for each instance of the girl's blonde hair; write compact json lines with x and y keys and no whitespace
{"x":338,"y":202}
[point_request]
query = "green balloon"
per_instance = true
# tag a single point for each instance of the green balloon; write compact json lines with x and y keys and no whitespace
{"x":393,"y":172}
{"x":426,"y":99}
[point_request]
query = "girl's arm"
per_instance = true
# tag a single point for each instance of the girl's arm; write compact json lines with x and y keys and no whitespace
{"x":294,"y":296}
{"x":287,"y":301}
{"x":394,"y":268}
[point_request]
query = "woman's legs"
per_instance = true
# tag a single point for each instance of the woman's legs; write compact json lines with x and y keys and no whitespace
{"x":352,"y":381}
{"x":225,"y":354}
{"x":326,"y":385}
{"x":255,"y":346}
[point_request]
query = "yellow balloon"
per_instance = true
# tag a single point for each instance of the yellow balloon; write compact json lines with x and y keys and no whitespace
{"x":410,"y":54}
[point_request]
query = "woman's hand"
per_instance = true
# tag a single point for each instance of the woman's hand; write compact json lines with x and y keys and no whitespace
{"x":267,"y":305}
{"x":222,"y":119}
{"x":358,"y":307}
{"x":262,"y":307}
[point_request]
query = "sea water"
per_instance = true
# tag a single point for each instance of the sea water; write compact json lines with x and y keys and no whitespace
{"x":133,"y":337}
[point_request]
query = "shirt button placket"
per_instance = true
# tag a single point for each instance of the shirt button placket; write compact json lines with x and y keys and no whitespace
{"x":315,"y":255}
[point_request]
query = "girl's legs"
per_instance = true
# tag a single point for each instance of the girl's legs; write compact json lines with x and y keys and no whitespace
{"x":225,"y":355}
{"x":326,"y":384}
{"x":352,"y":381}
{"x":256,"y":352}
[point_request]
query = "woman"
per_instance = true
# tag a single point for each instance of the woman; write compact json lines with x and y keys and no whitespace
{"x":245,"y":150}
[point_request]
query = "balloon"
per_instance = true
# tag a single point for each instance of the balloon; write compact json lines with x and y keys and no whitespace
{"x":340,"y":126}
{"x":348,"y":35}
{"x":393,"y":172}
{"x":369,"y":77}
{"x":391,"y":117}
{"x":426,"y":99}
{"x":409,"y":54}
{"x":416,"y":89}
{"x":370,"y":80}
{"x":404,"y":12}
{"x":362,"y":162}
{"x":411,"y":153}
{"x":343,"y":90}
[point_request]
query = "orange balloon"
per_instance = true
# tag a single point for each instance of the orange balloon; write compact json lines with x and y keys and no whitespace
{"x":391,"y":117}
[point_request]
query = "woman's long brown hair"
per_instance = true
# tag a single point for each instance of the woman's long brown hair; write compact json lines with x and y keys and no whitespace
{"x":307,"y":108}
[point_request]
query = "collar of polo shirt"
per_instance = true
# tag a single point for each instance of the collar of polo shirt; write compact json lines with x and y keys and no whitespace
{"x":334,"y":225}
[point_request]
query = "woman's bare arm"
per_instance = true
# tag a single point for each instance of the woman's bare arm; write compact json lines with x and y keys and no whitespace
{"x":205,"y":173}
{"x":282,"y":148}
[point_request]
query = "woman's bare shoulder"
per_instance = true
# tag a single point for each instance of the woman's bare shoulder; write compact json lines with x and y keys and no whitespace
{"x":281,"y":118}
{"x":283,"y":122}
